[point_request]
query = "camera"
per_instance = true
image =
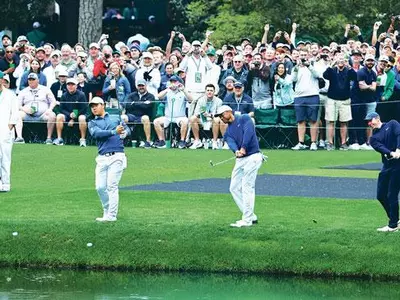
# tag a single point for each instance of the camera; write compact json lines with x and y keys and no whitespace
{"x":83,"y":59}
{"x":107,"y":55}
{"x":257,"y":64}
{"x":177,"y":33}
{"x":397,"y":17}
{"x":303,"y":61}
{"x":352,"y":27}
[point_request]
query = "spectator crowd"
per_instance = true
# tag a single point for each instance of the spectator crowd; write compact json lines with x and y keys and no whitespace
{"x":322,"y":86}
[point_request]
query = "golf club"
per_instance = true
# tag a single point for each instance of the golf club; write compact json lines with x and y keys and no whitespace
{"x":388,"y":157}
{"x":221,"y":162}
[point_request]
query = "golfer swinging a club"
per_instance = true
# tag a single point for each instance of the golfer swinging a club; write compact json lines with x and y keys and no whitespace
{"x":111,"y":160}
{"x":242,"y":140}
{"x":386,"y":141}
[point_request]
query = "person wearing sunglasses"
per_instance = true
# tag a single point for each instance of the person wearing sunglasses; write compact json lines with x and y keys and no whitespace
{"x":8,"y":65}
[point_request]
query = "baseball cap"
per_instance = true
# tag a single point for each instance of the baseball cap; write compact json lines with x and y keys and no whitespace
{"x":33,"y":76}
{"x":6,"y":36}
{"x":238,"y":84}
{"x":371,"y":116}
{"x":147,"y":55}
{"x":178,"y":70}
{"x":81,"y":54}
{"x":96,"y":100}
{"x":71,"y":80}
{"x":55,"y":53}
{"x":300,"y":43}
{"x":141,"y":82}
{"x":229,"y":78}
{"x":21,"y":38}
{"x":222,"y":109}
{"x":326,"y":48}
{"x":211,"y":52}
{"x":196,"y":43}
{"x":40,"y":49}
{"x":369,"y":57}
{"x":384,"y":58}
{"x":175,"y":78}
{"x":63,"y":72}
{"x":95,"y":45}
{"x":135,"y":46}
{"x":364,"y":44}
{"x":356,"y":52}
{"x":116,"y":52}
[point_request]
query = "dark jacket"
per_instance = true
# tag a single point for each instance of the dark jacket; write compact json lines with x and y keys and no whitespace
{"x":69,"y":102}
{"x":245,"y":106}
{"x":135,"y":105}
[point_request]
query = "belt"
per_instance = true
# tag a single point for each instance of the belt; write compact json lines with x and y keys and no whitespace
{"x":109,"y":154}
{"x":323,"y":93}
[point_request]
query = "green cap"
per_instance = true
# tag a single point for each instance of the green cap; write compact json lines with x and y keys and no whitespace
{"x":211,"y":51}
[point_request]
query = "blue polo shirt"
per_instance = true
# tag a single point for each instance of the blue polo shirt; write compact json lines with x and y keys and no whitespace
{"x":244,"y":106}
{"x":107,"y":139}
{"x":241,"y":133}
{"x":369,"y":77}
{"x":339,"y":82}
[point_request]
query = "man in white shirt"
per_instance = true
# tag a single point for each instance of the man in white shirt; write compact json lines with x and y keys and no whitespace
{"x":8,"y":119}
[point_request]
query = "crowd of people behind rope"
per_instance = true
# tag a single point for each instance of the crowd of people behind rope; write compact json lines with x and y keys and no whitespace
{"x":321,"y":84}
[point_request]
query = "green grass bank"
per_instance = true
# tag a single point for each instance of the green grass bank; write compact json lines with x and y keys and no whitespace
{"x":53,"y":205}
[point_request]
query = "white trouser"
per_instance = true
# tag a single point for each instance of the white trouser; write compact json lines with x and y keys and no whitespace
{"x":243,"y":182}
{"x":5,"y":162}
{"x":108,"y":174}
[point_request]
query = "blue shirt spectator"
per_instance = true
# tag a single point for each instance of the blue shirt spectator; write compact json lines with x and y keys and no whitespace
{"x":339,"y":82}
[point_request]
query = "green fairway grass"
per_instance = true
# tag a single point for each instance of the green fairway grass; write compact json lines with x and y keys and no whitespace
{"x":53,"y":205}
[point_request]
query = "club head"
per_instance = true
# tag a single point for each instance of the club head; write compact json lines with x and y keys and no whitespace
{"x":211,"y":163}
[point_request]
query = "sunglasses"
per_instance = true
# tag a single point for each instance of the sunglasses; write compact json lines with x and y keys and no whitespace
{"x":237,"y":62}
{"x":9,"y":51}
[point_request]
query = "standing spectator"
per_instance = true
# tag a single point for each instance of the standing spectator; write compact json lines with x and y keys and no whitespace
{"x":385,"y":86}
{"x":337,"y":105}
{"x":8,"y":64}
{"x":8,"y":120}
{"x":306,"y":100}
{"x":260,"y":82}
{"x":283,"y":93}
{"x":196,"y":64}
{"x":35,"y":68}
{"x":36,"y":103}
{"x":50,"y":72}
{"x":169,"y":72}
{"x":138,"y":109}
{"x":67,"y":61}
{"x":149,"y":73}
{"x":215,"y":72}
{"x":73,"y":107}
{"x":111,"y":160}
{"x":364,"y":102}
{"x":116,"y":86}
{"x":94,"y":55}
{"x":100,"y":70}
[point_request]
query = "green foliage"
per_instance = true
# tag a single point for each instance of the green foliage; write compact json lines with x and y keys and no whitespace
{"x":21,"y":11}
{"x":321,"y":21}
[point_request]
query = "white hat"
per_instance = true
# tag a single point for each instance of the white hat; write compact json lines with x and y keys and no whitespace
{"x":384,"y":58}
{"x":96,"y":45}
{"x":96,"y":100}
{"x":21,"y":38}
{"x":62,"y":72}
{"x":56,"y":52}
{"x":222,"y":109}
{"x":369,"y":57}
{"x":196,"y":43}
{"x":71,"y":80}
{"x":147,"y":55}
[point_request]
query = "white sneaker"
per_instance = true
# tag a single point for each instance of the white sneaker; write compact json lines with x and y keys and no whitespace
{"x":82,"y":143}
{"x":354,"y":147}
{"x":215,"y":145}
{"x":225,"y":146}
{"x":106,"y":219}
{"x":300,"y":146}
{"x":321,"y":144}
{"x":387,"y":229}
{"x":366,"y":147}
{"x":313,"y":147}
{"x":241,"y":223}
{"x":196,"y":145}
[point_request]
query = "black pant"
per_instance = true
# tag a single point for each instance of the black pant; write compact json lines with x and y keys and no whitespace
{"x":388,"y":193}
{"x":357,"y":126}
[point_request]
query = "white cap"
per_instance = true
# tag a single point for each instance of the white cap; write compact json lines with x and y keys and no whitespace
{"x":71,"y":80}
{"x":369,"y":57}
{"x":222,"y":109}
{"x":96,"y":45}
{"x":147,"y":55}
{"x":384,"y":58}
{"x":96,"y":100}
{"x":62,"y":72}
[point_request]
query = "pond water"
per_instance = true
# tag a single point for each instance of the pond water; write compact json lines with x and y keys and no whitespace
{"x":98,"y":285}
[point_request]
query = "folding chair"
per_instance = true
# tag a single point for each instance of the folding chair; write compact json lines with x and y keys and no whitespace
{"x":288,"y":127}
{"x":266,"y":124}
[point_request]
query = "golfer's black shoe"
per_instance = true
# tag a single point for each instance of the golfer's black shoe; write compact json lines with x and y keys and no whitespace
{"x":254,"y":222}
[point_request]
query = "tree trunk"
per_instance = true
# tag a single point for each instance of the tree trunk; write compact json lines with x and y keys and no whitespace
{"x":90,"y":21}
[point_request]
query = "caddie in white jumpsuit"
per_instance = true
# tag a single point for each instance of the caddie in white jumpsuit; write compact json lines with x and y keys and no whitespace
{"x":111,"y":159}
{"x":242,"y":140}
{"x":8,"y":119}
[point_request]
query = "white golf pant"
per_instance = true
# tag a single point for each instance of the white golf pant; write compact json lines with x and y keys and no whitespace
{"x":108,"y":174}
{"x":6,"y":145}
{"x":243,"y":182}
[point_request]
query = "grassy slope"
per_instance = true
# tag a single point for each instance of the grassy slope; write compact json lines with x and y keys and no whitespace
{"x":53,"y":205}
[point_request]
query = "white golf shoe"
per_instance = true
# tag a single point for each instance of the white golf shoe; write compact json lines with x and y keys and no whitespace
{"x":241,"y":223}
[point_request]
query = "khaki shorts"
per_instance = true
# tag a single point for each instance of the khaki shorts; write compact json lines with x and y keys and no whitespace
{"x":338,"y":109}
